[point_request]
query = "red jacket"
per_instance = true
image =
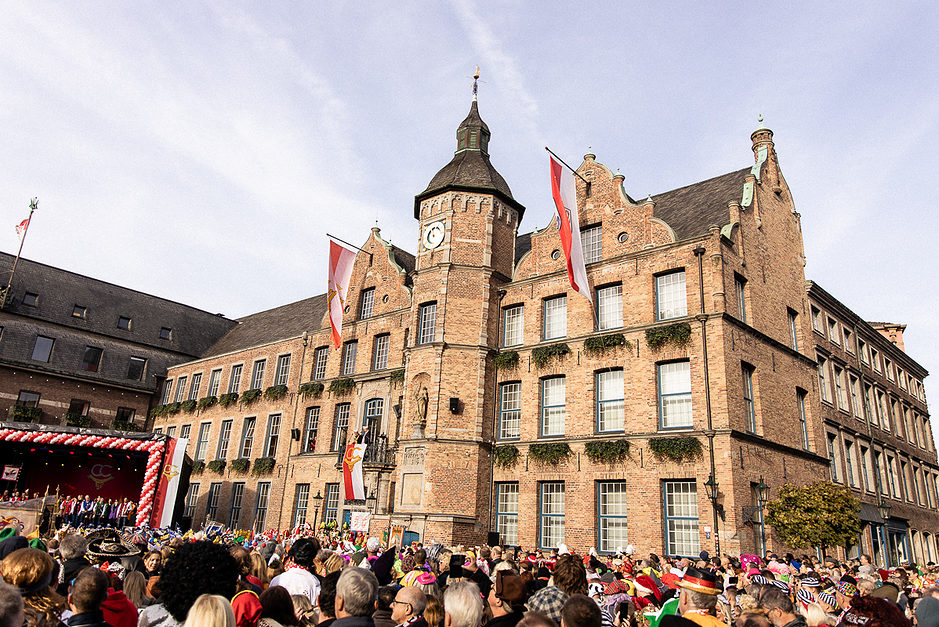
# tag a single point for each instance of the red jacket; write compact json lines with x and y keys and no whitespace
{"x":118,"y":610}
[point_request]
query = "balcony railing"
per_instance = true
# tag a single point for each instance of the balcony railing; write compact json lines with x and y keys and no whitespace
{"x":377,"y":453}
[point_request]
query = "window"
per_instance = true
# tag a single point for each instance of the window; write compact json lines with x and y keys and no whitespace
{"x":331,"y":504}
{"x":257,"y":374}
{"x":848,"y":339}
{"x":862,"y":349}
{"x":136,"y":368}
{"x":27,"y":399}
{"x":374,"y":409}
{"x":681,"y":517}
{"x":211,"y":508}
{"x":78,"y":311}
{"x":312,"y":426}
{"x":513,"y":324}
{"x":42,"y":349}
{"x":671,"y":298}
{"x":184,"y":431}
{"x":803,"y":420}
{"x":591,"y":241}
{"x":247,"y":436}
{"x":171,"y":431}
{"x":740,"y":285}
{"x":30,"y":299}
{"x":833,"y":331}
{"x":426,"y":323}
{"x":840,"y":393}
{"x":611,"y":515}
{"x":349,"y":351}
{"x":553,"y":393}
{"x":91,"y":359}
{"x":823,"y":379}
{"x":234,"y":382}
{"x":610,"y":307}
{"x":555,"y":317}
{"x":215,"y":377}
{"x":875,"y":359}
{"x":78,"y":407}
{"x":904,"y":471}
{"x":166,"y":333}
{"x":167,"y":392}
{"x":260,"y":516}
{"x":793,"y":329}
{"x":855,"y":386}
{"x":675,"y":395}
{"x":237,"y":496}
{"x":301,"y":503}
{"x":380,"y":352}
{"x":507,"y":512}
{"x":194,"y":387}
{"x":892,"y":471}
{"x":125,"y":414}
{"x":203,"y":441}
{"x":340,"y":426}
{"x":610,"y":413}
{"x":888,"y":367}
{"x":365,"y":305}
{"x":273,"y":434}
{"x":884,"y":415}
{"x":510,"y":411}
{"x":849,"y":462}
{"x":180,"y":388}
{"x":319,"y":363}
{"x":866,"y":469}
{"x":191,"y":497}
{"x":123,"y":322}
{"x":817,"y":320}
{"x":870,"y":405}
{"x":748,"y":399}
{"x":223,"y":439}
{"x":833,"y":458}
{"x":901,"y":378}
{"x":551,"y":506}
{"x":283,"y":370}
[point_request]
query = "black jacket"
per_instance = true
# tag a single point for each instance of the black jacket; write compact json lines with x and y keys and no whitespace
{"x":88,"y":619}
{"x":354,"y":621}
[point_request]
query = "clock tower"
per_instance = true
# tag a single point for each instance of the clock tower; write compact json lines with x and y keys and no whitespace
{"x":468,"y":221}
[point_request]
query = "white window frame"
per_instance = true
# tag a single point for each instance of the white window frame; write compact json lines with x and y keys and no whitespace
{"x":551,"y":514}
{"x":427,"y":323}
{"x":367,"y":304}
{"x":513,"y":325}
{"x":257,"y":373}
{"x":610,"y":401}
{"x":555,"y":317}
{"x":612,"y":515}
{"x":380,"y":352}
{"x":669,"y":391}
{"x":282,"y":372}
{"x":671,"y":295}
{"x":350,"y":351}
{"x":680,"y":512}
{"x":272,"y":436}
{"x":234,"y":378}
{"x":591,"y":241}
{"x":553,"y":406}
{"x":610,"y":307}
{"x":510,"y":410}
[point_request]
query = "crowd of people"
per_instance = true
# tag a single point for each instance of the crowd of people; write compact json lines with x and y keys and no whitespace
{"x":156,"y":578}
{"x":82,"y":511}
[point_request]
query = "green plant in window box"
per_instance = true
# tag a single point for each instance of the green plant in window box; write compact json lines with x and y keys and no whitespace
{"x":123,"y":425}
{"x":158,"y":411}
{"x":275,"y":392}
{"x":21,"y":413}
{"x":217,"y":466}
{"x":677,"y":449}
{"x":263,"y":466}
{"x":607,"y":451}
{"x":241,"y":464}
{"x":602,"y":343}
{"x":77,"y":420}
{"x":551,"y":453}
{"x":678,"y":335}
{"x":207,"y":401}
{"x":171,"y":409}
{"x":543,"y":354}
{"x":198,"y":467}
{"x":311,"y":388}
{"x":397,"y":376}
{"x":188,"y":406}
{"x":250,"y":396}
{"x":226,"y":400}
{"x":506,"y":456}
{"x":341,"y":386}
{"x":506,"y":359}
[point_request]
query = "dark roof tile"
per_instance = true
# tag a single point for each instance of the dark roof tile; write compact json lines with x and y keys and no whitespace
{"x":690,"y":210}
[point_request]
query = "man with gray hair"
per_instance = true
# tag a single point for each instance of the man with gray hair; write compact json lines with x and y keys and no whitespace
{"x":72,"y":549}
{"x":462,"y":605}
{"x":356,"y":591}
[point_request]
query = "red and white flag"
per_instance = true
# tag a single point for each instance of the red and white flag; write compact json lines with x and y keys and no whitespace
{"x":565,"y":199}
{"x":352,"y":471}
{"x":21,"y":228}
{"x":341,"y":260}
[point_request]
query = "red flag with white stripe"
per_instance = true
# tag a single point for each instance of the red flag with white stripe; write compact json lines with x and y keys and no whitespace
{"x":565,"y":199}
{"x":352,"y":471}
{"x":341,"y":261}
{"x":21,"y":228}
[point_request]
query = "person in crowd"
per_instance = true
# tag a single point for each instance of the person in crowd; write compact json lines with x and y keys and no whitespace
{"x":85,"y":596}
{"x":698,"y":597}
{"x":72,"y":550}
{"x":433,"y":612}
{"x":580,"y":611}
{"x":11,"y":606}
{"x":355,"y":598}
{"x":780,"y":609}
{"x":258,"y":573}
{"x":462,"y":605}
{"x":385,"y":604}
{"x":473,"y":573}
{"x":210,"y":610}
{"x":327,"y":599}
{"x":33,"y":572}
{"x":277,"y":608}
{"x":506,"y":600}
{"x":118,"y":610}
{"x":153,"y":562}
{"x":304,"y":611}
{"x":299,"y":577}
{"x":135,"y":589}
{"x":927,"y":612}
{"x":407,"y":609}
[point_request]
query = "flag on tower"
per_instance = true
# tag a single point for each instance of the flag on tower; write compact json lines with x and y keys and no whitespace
{"x":565,"y":199}
{"x":21,"y":228}
{"x":341,"y":260}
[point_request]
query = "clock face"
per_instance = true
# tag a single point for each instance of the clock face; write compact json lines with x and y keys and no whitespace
{"x":433,"y":234}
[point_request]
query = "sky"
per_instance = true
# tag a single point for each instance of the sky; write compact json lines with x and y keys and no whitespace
{"x":201,"y":151}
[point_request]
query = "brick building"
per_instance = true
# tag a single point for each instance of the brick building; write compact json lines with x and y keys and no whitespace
{"x":81,"y":351}
{"x":497,"y":399}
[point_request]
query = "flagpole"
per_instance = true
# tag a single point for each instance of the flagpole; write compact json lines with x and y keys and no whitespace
{"x":33,"y":205}
{"x":348,"y":244}
{"x":562,"y":162}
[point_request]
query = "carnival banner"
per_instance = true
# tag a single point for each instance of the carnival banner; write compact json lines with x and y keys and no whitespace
{"x":165,"y":497}
{"x":352,"y":472}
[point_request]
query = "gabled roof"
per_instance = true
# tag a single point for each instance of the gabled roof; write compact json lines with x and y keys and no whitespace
{"x":690,"y":210}
{"x":272,"y":325}
{"x":522,"y":245}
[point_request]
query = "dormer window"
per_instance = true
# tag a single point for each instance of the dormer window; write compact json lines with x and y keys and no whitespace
{"x":30,"y":299}
{"x":79,"y":312}
{"x":461,"y":137}
{"x":474,"y":139}
{"x":166,"y":333}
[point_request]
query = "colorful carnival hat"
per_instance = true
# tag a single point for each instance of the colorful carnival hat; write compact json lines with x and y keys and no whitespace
{"x":698,"y":580}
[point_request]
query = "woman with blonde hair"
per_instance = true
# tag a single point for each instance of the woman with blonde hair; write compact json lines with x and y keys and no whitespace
{"x":334,"y":563}
{"x":31,"y":571}
{"x":210,"y":610}
{"x":303,"y":608}
{"x":433,"y":612}
{"x":258,"y":571}
{"x":815,"y":616}
{"x":135,"y":589}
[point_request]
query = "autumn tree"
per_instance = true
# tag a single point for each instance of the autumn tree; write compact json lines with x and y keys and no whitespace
{"x":820,"y":514}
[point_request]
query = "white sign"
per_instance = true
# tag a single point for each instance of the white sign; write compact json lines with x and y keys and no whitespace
{"x":360,"y":521}
{"x":11,"y":473}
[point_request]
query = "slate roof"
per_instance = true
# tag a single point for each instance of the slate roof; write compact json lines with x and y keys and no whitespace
{"x":522,"y":245}
{"x":272,"y":325}
{"x":691,"y":209}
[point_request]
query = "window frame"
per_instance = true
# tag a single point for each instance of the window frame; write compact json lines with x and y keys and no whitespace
{"x":545,"y":408}
{"x":426,"y":323}
{"x":660,"y":287}
{"x":261,"y":505}
{"x":803,"y":419}
{"x":331,"y":503}
{"x":258,"y":368}
{"x":237,"y":501}
{"x":48,"y":353}
{"x":215,"y":380}
{"x":661,"y":397}
{"x":89,"y":366}
{"x":552,"y":318}
{"x":234,"y":380}
{"x":506,"y":518}
{"x":350,"y":351}
{"x":341,"y":420}
{"x":282,"y":369}
{"x":320,"y":359}
{"x":591,"y":243}
{"x":272,"y":434}
{"x":670,"y":545}
{"x":211,"y":503}
{"x":366,"y":303}
{"x":511,"y":416}
{"x":136,"y":361}
{"x":740,"y":288}
{"x":748,"y":371}
{"x":517,"y":320}
{"x":224,"y":438}
{"x":248,"y":432}
{"x":202,"y":441}
{"x":542,"y":516}
{"x":605,"y":294}
{"x":793,"y":318}
{"x":604,"y":544}
{"x":195,"y":384}
{"x":311,"y":426}
{"x":601,"y":404}
{"x":301,"y":503}
{"x":381,"y":347}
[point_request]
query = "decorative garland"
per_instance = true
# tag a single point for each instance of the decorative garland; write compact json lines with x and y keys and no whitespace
{"x":21,"y":413}
{"x":249,"y":396}
{"x":397,"y":376}
{"x":552,"y":453}
{"x":153,"y":447}
{"x":217,"y":466}
{"x":122,"y":425}
{"x":241,"y":464}
{"x":607,"y":451}
{"x":506,"y":359}
{"x":207,"y":401}
{"x":677,"y":449}
{"x":599,"y":345}
{"x":506,"y":456}
{"x":275,"y":392}
{"x":225,"y":400}
{"x":188,"y":406}
{"x":543,"y":354}
{"x":311,"y":388}
{"x":263,"y":466}
{"x":77,"y":420}
{"x":197,"y":467}
{"x":677,"y":335}
{"x":341,"y":386}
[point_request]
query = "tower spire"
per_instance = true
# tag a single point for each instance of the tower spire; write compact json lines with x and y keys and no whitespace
{"x":475,"y":83}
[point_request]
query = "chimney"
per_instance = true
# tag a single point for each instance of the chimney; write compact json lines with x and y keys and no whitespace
{"x":891,"y":331}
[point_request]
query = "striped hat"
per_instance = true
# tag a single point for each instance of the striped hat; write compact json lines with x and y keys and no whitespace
{"x":805,"y":596}
{"x":760,"y":579}
{"x":782,"y":585}
{"x":827,"y":599}
{"x":699,"y":581}
{"x":811,"y":582}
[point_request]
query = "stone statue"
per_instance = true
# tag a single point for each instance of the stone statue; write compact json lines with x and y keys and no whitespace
{"x":422,"y":406}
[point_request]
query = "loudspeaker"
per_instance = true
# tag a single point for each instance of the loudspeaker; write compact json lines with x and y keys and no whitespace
{"x":492,"y":538}
{"x":454,"y":405}
{"x":295,"y":434}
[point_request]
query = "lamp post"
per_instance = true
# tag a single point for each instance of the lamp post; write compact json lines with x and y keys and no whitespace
{"x":710,"y":487}
{"x":317,"y":501}
{"x":884,"y":509}
{"x":370,"y":501}
{"x":762,"y":496}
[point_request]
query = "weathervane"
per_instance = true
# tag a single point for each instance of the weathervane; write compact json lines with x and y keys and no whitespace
{"x":475,"y":81}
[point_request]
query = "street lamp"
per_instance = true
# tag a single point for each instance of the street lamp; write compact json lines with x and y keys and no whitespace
{"x":370,"y":501}
{"x":884,"y":508}
{"x":710,"y":487}
{"x":762,"y":496}
{"x":317,"y":501}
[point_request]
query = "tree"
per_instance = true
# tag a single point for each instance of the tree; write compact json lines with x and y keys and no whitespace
{"x":820,"y":514}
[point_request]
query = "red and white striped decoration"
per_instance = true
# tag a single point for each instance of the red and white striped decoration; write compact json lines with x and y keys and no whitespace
{"x":153,"y":447}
